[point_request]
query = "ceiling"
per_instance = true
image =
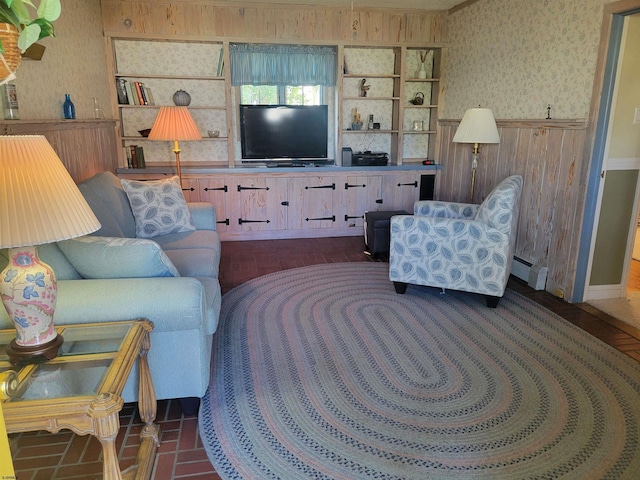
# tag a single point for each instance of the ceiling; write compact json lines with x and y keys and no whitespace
{"x":396,"y":4}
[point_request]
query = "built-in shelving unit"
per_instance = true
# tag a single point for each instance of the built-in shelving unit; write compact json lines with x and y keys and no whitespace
{"x":192,"y":67}
{"x":407,"y":132}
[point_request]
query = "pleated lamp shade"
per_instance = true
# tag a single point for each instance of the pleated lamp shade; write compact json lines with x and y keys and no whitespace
{"x":174,"y":123}
{"x":478,"y":125}
{"x":39,"y":201}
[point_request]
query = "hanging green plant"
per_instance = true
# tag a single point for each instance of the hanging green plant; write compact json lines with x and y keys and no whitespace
{"x":33,"y":22}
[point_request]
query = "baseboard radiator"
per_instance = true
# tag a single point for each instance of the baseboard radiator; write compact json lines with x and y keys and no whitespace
{"x":534,"y":275}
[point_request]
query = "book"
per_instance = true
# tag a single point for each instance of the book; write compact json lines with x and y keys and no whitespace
{"x":134,"y":156}
{"x":143,"y":93}
{"x":220,"y":62}
{"x":140,"y":157}
{"x":149,"y":95}
{"x":123,"y":99}
{"x":131,"y":97}
{"x":138,"y":90}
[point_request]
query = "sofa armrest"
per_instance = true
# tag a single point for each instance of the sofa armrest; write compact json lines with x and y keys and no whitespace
{"x":172,"y":304}
{"x":432,"y":208}
{"x":203,"y":215}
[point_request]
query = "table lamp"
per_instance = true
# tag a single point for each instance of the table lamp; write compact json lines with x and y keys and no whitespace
{"x":39,"y":203}
{"x":478,"y":125}
{"x":174,"y":124}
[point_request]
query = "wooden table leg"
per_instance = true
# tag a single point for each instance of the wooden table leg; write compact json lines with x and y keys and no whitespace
{"x":106,"y":415}
{"x":147,"y":407}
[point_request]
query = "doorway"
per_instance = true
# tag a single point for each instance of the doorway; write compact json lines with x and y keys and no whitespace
{"x":614,"y":265}
{"x":611,"y":275}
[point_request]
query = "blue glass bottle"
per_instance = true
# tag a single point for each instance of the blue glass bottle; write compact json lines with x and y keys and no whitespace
{"x":68,"y":108}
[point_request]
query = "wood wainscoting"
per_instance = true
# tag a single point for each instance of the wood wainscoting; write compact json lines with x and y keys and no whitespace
{"x":85,"y":147}
{"x":206,"y":20}
{"x":549,"y":155}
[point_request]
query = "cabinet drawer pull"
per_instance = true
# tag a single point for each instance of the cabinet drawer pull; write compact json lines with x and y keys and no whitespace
{"x":242,"y":220}
{"x":332,"y":186}
{"x":332,"y":218}
{"x":285,"y":203}
{"x":414,"y":184}
{"x":347,"y":217}
{"x":191,"y":189}
{"x":224,"y":189}
{"x":348,"y":186}
{"x":241,"y":188}
{"x":225,"y":221}
{"x":379,"y":200}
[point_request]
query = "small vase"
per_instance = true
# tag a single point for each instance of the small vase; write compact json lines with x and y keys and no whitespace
{"x":181,"y":98}
{"x":422,"y":73}
{"x":68,"y":108}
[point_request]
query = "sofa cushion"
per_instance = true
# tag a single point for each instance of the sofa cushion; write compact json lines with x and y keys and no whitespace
{"x":188,"y":240}
{"x":50,"y":254}
{"x":159,"y":207}
{"x":104,"y":194}
{"x":195,"y":262}
{"x":110,"y":257}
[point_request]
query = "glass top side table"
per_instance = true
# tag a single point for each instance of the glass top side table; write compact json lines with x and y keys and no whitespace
{"x":81,"y":389}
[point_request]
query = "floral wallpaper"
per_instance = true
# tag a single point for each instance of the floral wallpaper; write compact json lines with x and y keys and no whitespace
{"x":518,"y":56}
{"x":72,"y":63}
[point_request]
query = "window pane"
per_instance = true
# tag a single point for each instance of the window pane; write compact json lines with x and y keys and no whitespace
{"x":307,"y":95}
{"x":273,"y":95}
{"x":259,"y":94}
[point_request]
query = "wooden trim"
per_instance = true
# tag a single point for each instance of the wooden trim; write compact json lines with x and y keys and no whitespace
{"x":201,"y":20}
{"x":32,"y":127}
{"x":461,"y":6}
{"x":85,"y":147}
{"x":569,"y":124}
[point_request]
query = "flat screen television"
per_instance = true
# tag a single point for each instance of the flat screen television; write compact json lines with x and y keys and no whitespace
{"x":276,"y":132}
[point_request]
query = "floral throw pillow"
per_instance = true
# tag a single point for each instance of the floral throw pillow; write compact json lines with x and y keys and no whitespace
{"x":159,"y":207}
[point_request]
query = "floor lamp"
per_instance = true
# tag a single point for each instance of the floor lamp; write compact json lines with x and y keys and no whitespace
{"x":478,"y":126}
{"x":39,"y":203}
{"x":174,"y":124}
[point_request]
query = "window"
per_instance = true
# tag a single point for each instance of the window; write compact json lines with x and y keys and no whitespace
{"x":281,"y":95}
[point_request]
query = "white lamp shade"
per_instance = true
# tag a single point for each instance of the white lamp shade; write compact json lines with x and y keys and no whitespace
{"x":478,"y":125}
{"x":39,"y":201}
{"x":174,"y":123}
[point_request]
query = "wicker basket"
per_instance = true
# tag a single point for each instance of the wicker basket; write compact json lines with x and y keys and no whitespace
{"x":11,"y":58}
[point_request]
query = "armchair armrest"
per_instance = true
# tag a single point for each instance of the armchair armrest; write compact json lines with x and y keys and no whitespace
{"x":203,"y":215}
{"x":432,"y":208}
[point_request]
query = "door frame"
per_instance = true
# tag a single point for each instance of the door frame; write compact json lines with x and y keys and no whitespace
{"x":598,"y":125}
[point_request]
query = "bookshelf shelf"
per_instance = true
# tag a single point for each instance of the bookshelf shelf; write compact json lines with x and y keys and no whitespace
{"x":145,"y":139}
{"x":168,"y":77}
{"x":190,"y":107}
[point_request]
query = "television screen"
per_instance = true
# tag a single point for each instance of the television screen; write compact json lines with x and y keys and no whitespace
{"x":278,"y":131}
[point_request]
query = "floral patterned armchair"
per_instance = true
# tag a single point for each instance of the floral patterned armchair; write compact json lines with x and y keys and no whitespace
{"x":459,"y":246}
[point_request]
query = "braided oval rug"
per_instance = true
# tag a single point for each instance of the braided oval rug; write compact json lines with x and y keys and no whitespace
{"x":324,"y":372}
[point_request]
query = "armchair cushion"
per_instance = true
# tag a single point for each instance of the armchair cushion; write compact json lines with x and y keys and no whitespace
{"x":110,"y":257}
{"x":159,"y":207}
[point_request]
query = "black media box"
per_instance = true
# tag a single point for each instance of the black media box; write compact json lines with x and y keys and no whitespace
{"x":369,"y":159}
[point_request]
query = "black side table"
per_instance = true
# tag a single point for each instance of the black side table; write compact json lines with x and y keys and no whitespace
{"x":377,"y":231}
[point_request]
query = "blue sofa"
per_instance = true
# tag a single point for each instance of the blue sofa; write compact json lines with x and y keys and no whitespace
{"x":113,"y":276}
